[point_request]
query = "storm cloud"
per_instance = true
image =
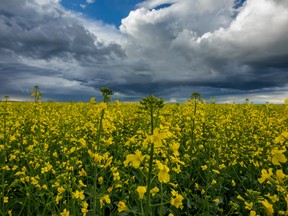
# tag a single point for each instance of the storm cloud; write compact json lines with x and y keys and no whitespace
{"x":229,"y":50}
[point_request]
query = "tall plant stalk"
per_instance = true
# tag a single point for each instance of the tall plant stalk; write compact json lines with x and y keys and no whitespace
{"x":150,"y":166}
{"x":106,"y":98}
{"x":195,"y":97}
{"x":151,"y":104}
{"x":4,"y":157}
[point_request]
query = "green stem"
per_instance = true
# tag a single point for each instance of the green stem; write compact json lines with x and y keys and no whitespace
{"x":152,"y":120}
{"x":192,"y":129}
{"x":94,"y":190}
{"x":96,"y":167}
{"x":161,"y":206}
{"x":29,"y":199}
{"x":150,"y":166}
{"x":4,"y":158}
{"x":100,"y":129}
{"x":192,"y":142}
{"x":142,"y":210}
{"x":149,"y":180}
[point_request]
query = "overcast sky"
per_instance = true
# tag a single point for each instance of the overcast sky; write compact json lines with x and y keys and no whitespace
{"x":230,"y":50}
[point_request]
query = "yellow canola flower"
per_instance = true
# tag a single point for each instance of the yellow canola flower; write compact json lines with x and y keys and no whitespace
{"x":174,"y":147}
{"x":82,"y":184}
{"x":163,"y":175}
{"x":100,"y":180}
{"x":6,"y":199}
{"x":65,"y":213}
{"x":252,"y":213}
{"x":117,"y":103}
{"x":222,"y":166}
{"x":216,"y":171}
{"x":109,"y":141}
{"x":268,"y":207}
{"x":280,"y":176}
{"x":58,"y":198}
{"x":213,"y":182}
{"x":82,"y":142}
{"x":6,"y":167}
{"x":92,"y":100}
{"x":34,"y":181}
{"x":177,"y":169}
{"x":108,"y":162}
{"x":116,"y":176}
{"x":204,"y":167}
{"x":278,"y":156}
{"x":118,"y":185}
{"x":280,"y":189}
{"x":282,"y":138}
{"x":177,"y":160}
{"x":47,"y":168}
{"x":248,"y":205}
{"x":273,"y":198}
{"x":105,"y":199}
{"x":78,"y":194}
{"x":265,"y":175}
{"x":56,"y":184}
{"x":141,"y":191}
{"x":84,"y":210}
{"x":283,"y":212}
{"x":134,"y":159}
{"x":240,"y":198}
{"x":173,"y":185}
{"x":60,"y":190}
{"x":97,"y":158}
{"x":122,"y":206}
{"x":154,"y":190}
{"x":157,"y":138}
{"x":176,"y":200}
{"x":102,"y":105}
{"x":82,"y":172}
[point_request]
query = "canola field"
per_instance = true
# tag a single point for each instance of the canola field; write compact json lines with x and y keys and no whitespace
{"x":126,"y":159}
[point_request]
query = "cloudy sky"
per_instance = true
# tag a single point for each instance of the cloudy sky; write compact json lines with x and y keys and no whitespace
{"x":227,"y":49}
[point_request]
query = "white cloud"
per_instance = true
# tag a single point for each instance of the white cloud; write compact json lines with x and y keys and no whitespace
{"x":163,"y":37}
{"x":200,"y":39}
{"x":90,"y":1}
{"x":259,"y":32}
{"x":83,"y":6}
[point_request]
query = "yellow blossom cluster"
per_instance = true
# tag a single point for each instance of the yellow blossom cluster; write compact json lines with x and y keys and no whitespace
{"x":93,"y":159}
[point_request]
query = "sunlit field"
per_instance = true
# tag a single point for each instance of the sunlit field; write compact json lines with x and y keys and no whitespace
{"x":131,"y":159}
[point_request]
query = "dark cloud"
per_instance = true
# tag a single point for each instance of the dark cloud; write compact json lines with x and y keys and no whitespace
{"x":42,"y":44}
{"x":224,"y":49}
{"x":45,"y":35}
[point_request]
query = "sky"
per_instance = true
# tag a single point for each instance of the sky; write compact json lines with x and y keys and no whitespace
{"x":227,"y":49}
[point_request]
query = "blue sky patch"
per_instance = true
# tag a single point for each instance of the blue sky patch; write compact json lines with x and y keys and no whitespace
{"x":108,"y":11}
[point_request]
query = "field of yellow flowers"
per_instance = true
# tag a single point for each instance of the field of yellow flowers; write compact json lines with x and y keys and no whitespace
{"x":127,"y":159}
